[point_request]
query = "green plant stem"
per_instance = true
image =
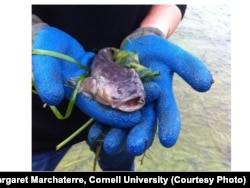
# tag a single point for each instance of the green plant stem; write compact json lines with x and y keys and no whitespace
{"x":71,"y":101}
{"x":97,"y":153}
{"x":58,"y":55}
{"x":68,"y":139}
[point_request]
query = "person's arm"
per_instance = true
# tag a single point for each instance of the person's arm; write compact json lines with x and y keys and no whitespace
{"x":164,"y":17}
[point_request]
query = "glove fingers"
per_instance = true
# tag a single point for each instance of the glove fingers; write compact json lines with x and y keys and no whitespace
{"x":121,"y":162}
{"x":152,"y":90}
{"x":168,"y":114}
{"x":141,"y":136}
{"x":47,"y":78}
{"x":191,"y":69}
{"x":155,"y":51}
{"x":96,"y":134}
{"x":47,"y":71}
{"x":114,"y":141}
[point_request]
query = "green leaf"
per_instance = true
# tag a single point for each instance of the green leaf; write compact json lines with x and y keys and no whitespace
{"x":131,"y":60}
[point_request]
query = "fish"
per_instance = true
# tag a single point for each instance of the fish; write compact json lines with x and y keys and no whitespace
{"x":111,"y":84}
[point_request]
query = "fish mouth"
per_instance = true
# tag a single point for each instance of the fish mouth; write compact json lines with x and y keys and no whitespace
{"x":130,"y":104}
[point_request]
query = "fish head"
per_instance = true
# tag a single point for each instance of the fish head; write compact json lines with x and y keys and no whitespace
{"x":113,"y":85}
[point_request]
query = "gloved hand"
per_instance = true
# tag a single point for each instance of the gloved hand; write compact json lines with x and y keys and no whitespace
{"x":159,"y":54}
{"x":50,"y":75}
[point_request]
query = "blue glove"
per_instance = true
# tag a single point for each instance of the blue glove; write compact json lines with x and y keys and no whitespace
{"x":50,"y":75}
{"x":158,"y":54}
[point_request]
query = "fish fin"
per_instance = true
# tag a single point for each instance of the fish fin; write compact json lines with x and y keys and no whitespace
{"x":87,"y":87}
{"x":71,"y":82}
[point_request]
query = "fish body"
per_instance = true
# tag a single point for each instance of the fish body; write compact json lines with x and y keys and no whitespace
{"x":111,"y":84}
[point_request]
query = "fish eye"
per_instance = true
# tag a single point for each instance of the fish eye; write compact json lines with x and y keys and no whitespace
{"x":120,"y":91}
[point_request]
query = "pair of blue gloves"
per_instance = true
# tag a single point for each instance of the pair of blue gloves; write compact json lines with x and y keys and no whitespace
{"x":124,"y":135}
